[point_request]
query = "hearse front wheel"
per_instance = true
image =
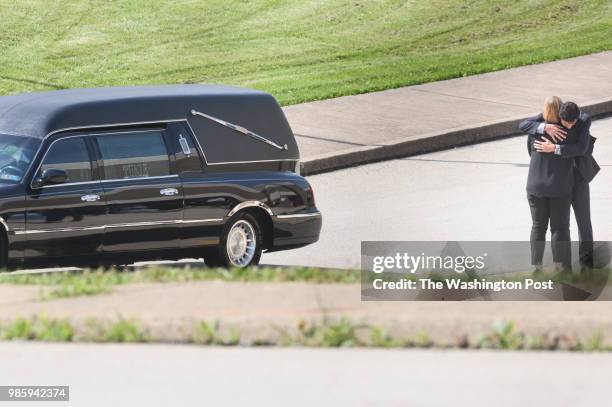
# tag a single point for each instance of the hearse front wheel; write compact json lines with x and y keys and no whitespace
{"x":240,"y":244}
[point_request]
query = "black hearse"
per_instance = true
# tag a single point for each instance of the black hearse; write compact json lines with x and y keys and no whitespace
{"x":117,"y":175}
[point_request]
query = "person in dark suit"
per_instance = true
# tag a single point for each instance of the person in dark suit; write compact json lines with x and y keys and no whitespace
{"x":584,"y":167}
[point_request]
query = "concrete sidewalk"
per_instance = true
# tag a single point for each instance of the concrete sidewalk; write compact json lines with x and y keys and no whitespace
{"x":170,"y":311}
{"x":352,"y":130}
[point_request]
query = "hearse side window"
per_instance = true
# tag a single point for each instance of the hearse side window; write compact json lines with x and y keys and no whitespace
{"x":71,"y":155}
{"x":133,"y":155}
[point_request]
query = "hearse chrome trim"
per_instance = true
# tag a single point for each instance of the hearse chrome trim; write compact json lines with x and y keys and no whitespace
{"x":95,"y":126}
{"x":73,"y":229}
{"x":249,"y":204}
{"x":107,"y":180}
{"x":115,"y":225}
{"x":139,"y":178}
{"x":3,"y":223}
{"x":200,"y":221}
{"x":299,"y":215}
{"x":137,"y":224}
{"x":68,"y":183}
{"x":256,"y":161}
{"x":243,"y":205}
{"x":239,"y":129}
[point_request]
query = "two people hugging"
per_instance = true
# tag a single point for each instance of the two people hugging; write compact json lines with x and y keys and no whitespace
{"x":561,"y":167}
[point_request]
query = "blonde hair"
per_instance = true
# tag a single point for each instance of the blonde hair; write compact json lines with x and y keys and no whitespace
{"x":552,"y":104}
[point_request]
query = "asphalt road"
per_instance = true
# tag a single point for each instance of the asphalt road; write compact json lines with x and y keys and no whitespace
{"x":164,"y":375}
{"x":469,"y":193}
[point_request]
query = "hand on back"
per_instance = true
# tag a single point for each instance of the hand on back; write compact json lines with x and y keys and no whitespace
{"x":556,"y":132}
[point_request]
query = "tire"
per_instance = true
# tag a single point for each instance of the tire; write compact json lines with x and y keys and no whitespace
{"x":240,"y":245}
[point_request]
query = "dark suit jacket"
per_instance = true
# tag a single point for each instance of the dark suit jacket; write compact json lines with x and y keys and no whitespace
{"x":581,"y":150}
{"x":552,"y":175}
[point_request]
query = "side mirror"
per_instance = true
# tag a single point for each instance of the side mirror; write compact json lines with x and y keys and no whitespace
{"x":50,"y":176}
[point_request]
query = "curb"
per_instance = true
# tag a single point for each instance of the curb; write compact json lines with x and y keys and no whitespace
{"x":430,"y":142}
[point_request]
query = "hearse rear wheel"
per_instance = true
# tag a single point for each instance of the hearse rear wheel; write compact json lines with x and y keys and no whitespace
{"x":240,"y":245}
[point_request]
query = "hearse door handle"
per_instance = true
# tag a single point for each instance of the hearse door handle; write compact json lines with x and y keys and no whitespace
{"x":90,"y":198}
{"x":168,"y":191}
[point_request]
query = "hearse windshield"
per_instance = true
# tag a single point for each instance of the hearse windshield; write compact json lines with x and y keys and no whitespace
{"x":16,"y":153}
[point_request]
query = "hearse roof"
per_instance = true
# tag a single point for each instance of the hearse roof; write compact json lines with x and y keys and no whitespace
{"x":40,"y":114}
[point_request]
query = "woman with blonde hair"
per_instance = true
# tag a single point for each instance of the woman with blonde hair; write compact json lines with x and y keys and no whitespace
{"x":552,"y":105}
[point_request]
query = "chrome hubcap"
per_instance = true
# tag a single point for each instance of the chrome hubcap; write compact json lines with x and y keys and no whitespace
{"x":241,"y":243}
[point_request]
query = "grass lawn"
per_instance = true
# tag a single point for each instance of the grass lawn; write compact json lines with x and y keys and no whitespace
{"x":297,"y":50}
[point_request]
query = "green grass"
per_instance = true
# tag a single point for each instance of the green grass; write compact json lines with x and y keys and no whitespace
{"x":91,"y":282}
{"x":41,"y":329}
{"x":124,"y":331}
{"x":329,"y":333}
{"x":209,"y":334}
{"x":19,"y":328}
{"x":297,"y":50}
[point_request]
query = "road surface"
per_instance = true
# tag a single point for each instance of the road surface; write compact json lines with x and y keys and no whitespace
{"x":165,"y":375}
{"x":469,"y":193}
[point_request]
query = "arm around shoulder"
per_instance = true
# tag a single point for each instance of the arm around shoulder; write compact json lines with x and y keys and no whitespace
{"x":530,"y":125}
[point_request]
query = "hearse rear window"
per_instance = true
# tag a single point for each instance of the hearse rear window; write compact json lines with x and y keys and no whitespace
{"x":71,"y":155}
{"x":133,"y":155}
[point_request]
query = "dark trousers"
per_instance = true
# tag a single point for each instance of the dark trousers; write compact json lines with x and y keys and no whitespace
{"x":557,"y":211}
{"x":581,"y":202}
